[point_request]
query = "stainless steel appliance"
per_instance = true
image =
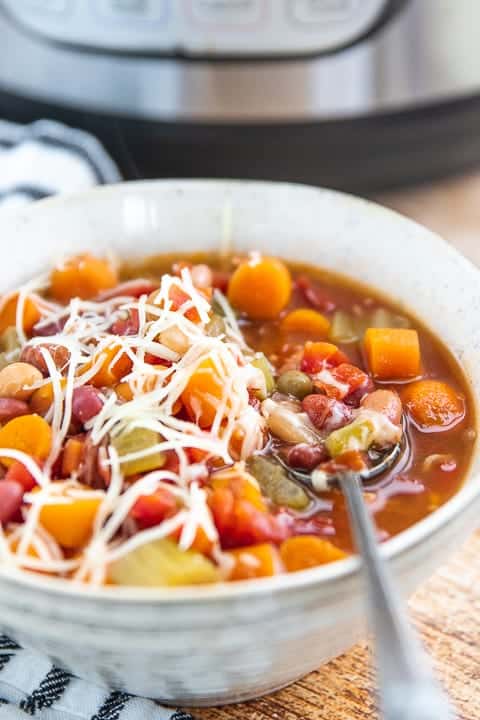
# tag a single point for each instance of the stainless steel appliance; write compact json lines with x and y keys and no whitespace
{"x":357,"y":94}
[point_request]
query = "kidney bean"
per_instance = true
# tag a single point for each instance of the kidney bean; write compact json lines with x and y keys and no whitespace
{"x":11,"y":496}
{"x":386,"y":402}
{"x":92,"y":470}
{"x":43,"y":329}
{"x":11,"y":408}
{"x":127,"y":323}
{"x":314,"y":295}
{"x":18,"y":473}
{"x":86,"y":403}
{"x":129,"y":288}
{"x":33,"y":355}
{"x":354,"y":398}
{"x":306,"y":457}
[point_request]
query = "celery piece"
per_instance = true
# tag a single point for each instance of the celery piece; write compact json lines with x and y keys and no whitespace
{"x":162,"y":563}
{"x":261,"y":362}
{"x":357,"y":435}
{"x":276,"y":485}
{"x":343,"y":329}
{"x":132,"y":441}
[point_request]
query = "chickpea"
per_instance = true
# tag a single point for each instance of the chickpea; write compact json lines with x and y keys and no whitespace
{"x":17,"y":380}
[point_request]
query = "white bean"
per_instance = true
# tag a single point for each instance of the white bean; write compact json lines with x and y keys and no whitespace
{"x":17,"y":379}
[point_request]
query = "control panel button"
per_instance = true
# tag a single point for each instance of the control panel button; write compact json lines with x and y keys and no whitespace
{"x":133,"y":9}
{"x":226,"y":12}
{"x":322,"y":11}
{"x":51,"y":6}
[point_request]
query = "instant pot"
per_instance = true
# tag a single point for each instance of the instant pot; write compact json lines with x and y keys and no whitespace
{"x":355,"y":94}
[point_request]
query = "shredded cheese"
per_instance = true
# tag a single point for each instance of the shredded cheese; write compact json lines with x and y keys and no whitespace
{"x":156,"y":390}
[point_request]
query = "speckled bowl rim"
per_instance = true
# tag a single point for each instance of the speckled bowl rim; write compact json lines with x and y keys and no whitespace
{"x":323,"y":575}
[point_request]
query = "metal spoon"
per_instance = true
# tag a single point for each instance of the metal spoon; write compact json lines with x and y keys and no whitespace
{"x":408,"y":689}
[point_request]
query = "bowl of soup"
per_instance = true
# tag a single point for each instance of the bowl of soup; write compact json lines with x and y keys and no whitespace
{"x":171,"y":353}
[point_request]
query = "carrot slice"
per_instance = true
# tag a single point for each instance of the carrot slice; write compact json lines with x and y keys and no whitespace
{"x":392,"y":353}
{"x":71,"y":522}
{"x":111,"y":370}
{"x":201,"y":542}
{"x":254,"y":561}
{"x":8,"y":313}
{"x":307,"y":551}
{"x":29,"y":433}
{"x":306,"y":321}
{"x":72,"y":456}
{"x":203,"y":393}
{"x":124,"y":391}
{"x":260,"y":287}
{"x":82,"y":276}
{"x":433,"y":404}
{"x":242,"y":489}
{"x":42,"y":399}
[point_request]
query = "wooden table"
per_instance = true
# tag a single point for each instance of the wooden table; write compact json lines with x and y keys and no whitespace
{"x":446,"y":609}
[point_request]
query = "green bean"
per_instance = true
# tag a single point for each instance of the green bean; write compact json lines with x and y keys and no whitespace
{"x":294,"y":382}
{"x":132,"y":441}
{"x":275,"y":483}
{"x":216,"y":326}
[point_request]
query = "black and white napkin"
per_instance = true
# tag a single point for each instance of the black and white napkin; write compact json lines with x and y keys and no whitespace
{"x":38,"y":160}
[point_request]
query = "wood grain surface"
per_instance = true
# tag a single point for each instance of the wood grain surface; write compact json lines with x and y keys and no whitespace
{"x":446,"y":610}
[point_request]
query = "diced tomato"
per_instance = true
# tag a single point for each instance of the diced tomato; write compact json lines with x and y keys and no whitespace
{"x":51,"y":328}
{"x":350,"y":460}
{"x":350,"y":375}
{"x":221,"y":502}
{"x":240,"y":523}
{"x":154,"y":360}
{"x":172,"y":463}
{"x":17,"y":472}
{"x":195,"y":455}
{"x":150,"y":510}
{"x":130,"y":288}
{"x":220,"y":280}
{"x":325,"y":412}
{"x":178,"y":298}
{"x":318,"y":408}
{"x":127,"y":324}
{"x":11,"y":496}
{"x":318,"y":355}
{"x":315,"y":296}
{"x":250,"y":526}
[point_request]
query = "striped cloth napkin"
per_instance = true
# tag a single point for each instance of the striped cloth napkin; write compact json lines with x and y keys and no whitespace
{"x":38,"y":160}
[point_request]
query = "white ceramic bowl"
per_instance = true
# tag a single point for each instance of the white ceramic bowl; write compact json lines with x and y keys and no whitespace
{"x":218,"y":644}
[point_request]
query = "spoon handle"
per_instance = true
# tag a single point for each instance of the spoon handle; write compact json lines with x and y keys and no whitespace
{"x":407,"y":687}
